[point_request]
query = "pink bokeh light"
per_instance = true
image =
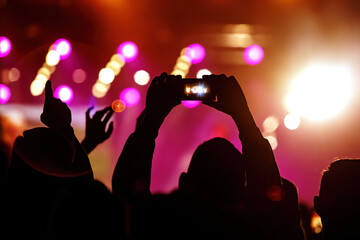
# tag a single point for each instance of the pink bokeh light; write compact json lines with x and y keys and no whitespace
{"x":253,"y":54}
{"x":130,"y":96}
{"x":63,"y":47}
{"x":195,"y":52}
{"x":5,"y":94}
{"x":5,"y":46}
{"x":64,"y":93}
{"x":128,"y":50}
{"x":191,"y":103}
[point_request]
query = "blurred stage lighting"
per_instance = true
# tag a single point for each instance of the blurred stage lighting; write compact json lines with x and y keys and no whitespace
{"x":273,"y":141}
{"x":202,"y":72}
{"x":5,"y":94}
{"x":106,"y":76}
{"x":195,"y":52}
{"x":37,"y":87}
{"x":292,"y":121}
{"x":79,"y":75}
{"x":14,"y":74}
{"x":191,"y":103}
{"x":128,"y":50}
{"x":142,"y":77}
{"x":270,"y":124}
{"x":62,"y":47}
{"x":5,"y":46}
{"x":118,"y":105}
{"x":253,"y":54}
{"x":320,"y":92}
{"x":52,"y":58}
{"x":64,"y":93}
{"x":130,"y":96}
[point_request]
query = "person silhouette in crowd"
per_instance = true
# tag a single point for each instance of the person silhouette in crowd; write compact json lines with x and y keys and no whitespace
{"x":46,"y":162}
{"x":338,"y":200}
{"x":224,"y":194}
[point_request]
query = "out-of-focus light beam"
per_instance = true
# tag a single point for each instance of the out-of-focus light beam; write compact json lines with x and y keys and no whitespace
{"x":5,"y":46}
{"x":253,"y":54}
{"x":5,"y":94}
{"x":128,"y":50}
{"x":320,"y":92}
{"x":64,"y":93}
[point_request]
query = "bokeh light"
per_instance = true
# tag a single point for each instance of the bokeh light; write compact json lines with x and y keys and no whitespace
{"x":191,"y":103}
{"x":195,"y":53}
{"x":270,"y":124}
{"x":99,"y":90}
{"x":14,"y":74}
{"x":253,"y":54}
{"x":64,"y":93}
{"x":142,"y":77}
{"x":320,"y":92}
{"x":62,"y":47}
{"x":118,"y":105}
{"x":128,"y":50}
{"x":106,"y":75}
{"x":273,"y":141}
{"x":45,"y":72}
{"x":5,"y":94}
{"x":37,"y":87}
{"x":130,"y":96}
{"x":79,"y":75}
{"x":52,"y":58}
{"x":292,"y":121}
{"x":202,"y":72}
{"x":5,"y":46}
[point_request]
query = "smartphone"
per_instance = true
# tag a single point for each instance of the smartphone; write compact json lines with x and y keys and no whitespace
{"x":195,"y":89}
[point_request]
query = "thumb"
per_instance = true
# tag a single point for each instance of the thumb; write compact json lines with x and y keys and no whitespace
{"x":211,"y":102}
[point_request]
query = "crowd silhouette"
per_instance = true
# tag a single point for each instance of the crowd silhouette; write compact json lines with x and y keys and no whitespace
{"x":49,"y":191}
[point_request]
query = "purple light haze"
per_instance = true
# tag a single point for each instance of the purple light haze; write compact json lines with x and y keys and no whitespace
{"x":64,"y":93}
{"x":5,"y":94}
{"x":195,"y":52}
{"x":128,"y":50}
{"x":5,"y":46}
{"x":253,"y":54}
{"x":130,"y":96}
{"x":191,"y":103}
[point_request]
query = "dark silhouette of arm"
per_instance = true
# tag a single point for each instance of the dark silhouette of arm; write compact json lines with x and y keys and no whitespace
{"x":95,"y":132}
{"x":132,"y":172}
{"x":57,"y":115}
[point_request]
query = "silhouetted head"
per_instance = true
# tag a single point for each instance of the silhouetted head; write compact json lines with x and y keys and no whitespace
{"x":49,"y":152}
{"x":216,"y":172}
{"x":338,"y":203}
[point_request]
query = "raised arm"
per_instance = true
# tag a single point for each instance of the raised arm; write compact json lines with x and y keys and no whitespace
{"x":132,"y":172}
{"x":57,"y":115}
{"x":262,"y":172}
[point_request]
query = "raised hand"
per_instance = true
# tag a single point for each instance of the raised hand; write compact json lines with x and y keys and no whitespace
{"x":56,"y":114}
{"x":161,"y":98}
{"x":230,"y":98}
{"x":95,"y":132}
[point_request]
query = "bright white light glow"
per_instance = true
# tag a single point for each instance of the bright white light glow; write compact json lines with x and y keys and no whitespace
{"x":142,"y":77}
{"x":52,"y":58}
{"x":320,"y":92}
{"x":202,"y":72}
{"x":292,"y":121}
{"x":106,"y":75}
